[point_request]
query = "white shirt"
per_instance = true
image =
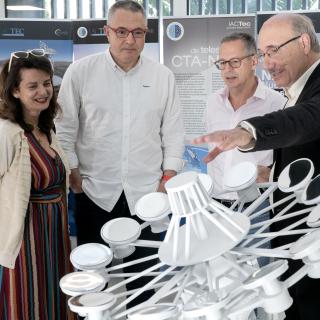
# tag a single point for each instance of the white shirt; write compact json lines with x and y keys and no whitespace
{"x":121,"y":129}
{"x":220,"y":115}
{"x":296,"y":88}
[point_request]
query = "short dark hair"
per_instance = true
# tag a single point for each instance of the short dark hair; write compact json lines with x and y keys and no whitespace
{"x":126,"y":5}
{"x":10,"y":107}
{"x":246,"y":38}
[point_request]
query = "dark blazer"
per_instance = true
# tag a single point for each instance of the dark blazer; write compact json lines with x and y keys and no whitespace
{"x":293,"y":132}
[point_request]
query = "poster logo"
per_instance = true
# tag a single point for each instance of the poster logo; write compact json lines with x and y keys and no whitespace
{"x":175,"y":31}
{"x":82,"y":32}
{"x":60,"y":33}
{"x":13,"y":32}
{"x":97,"y":32}
{"x":239,"y":24}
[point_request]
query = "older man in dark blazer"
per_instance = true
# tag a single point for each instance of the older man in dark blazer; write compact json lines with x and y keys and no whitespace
{"x":290,"y":51}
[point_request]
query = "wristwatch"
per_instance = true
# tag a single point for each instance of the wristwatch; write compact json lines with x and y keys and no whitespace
{"x":245,"y":125}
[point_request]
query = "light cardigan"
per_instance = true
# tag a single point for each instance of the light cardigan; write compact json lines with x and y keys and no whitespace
{"x":15,"y":186}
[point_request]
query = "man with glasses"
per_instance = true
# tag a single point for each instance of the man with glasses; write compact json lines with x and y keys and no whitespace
{"x":290,"y":51}
{"x":243,"y":95}
{"x":121,"y":127}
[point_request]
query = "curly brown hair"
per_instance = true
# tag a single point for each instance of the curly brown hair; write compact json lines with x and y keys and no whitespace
{"x":10,"y":107}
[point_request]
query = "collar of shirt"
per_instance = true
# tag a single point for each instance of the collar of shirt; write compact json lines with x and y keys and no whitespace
{"x":294,"y":91}
{"x":260,"y":92}
{"x":115,"y":67}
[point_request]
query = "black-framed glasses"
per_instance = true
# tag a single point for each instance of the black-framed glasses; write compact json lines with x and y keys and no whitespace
{"x":25,"y":55}
{"x":122,"y":32}
{"x":233,"y":63}
{"x":273,"y":50}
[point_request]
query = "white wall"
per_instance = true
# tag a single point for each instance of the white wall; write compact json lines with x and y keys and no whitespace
{"x":2,"y":9}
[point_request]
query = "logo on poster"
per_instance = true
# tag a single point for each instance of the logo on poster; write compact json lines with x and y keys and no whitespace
{"x":14,"y":32}
{"x":239,"y":24}
{"x":82,"y":32}
{"x":265,"y":77}
{"x":175,"y":31}
{"x":97,"y":32}
{"x":60,"y":33}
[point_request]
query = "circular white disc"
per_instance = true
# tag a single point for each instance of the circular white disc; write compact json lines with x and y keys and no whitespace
{"x":296,"y":175}
{"x":306,"y":245}
{"x":94,"y":299}
{"x":91,"y":256}
{"x":153,"y":206}
{"x":240,"y":176}
{"x":81,"y":282}
{"x":181,"y":181}
{"x":92,"y":302}
{"x":120,"y":231}
{"x":267,"y":273}
{"x":313,"y":219}
{"x":161,"y":311}
{"x":311,"y":193}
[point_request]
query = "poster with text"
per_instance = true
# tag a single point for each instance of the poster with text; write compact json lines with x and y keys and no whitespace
{"x":53,"y":36}
{"x":89,"y":38}
{"x":191,"y":45}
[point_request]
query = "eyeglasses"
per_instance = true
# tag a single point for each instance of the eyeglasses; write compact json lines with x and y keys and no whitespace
{"x":273,"y":50}
{"x":124,"y":32}
{"x":25,"y":55}
{"x":233,"y":63}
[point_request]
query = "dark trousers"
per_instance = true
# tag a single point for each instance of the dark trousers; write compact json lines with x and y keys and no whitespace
{"x":305,"y":293}
{"x":306,"y":297}
{"x":89,"y":220}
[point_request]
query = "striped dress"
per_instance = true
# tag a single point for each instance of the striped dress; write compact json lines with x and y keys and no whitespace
{"x":31,"y":290}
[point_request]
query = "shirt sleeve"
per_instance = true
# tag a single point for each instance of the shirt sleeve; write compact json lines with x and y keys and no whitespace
{"x":293,"y":126}
{"x":172,"y":130}
{"x":67,"y":123}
